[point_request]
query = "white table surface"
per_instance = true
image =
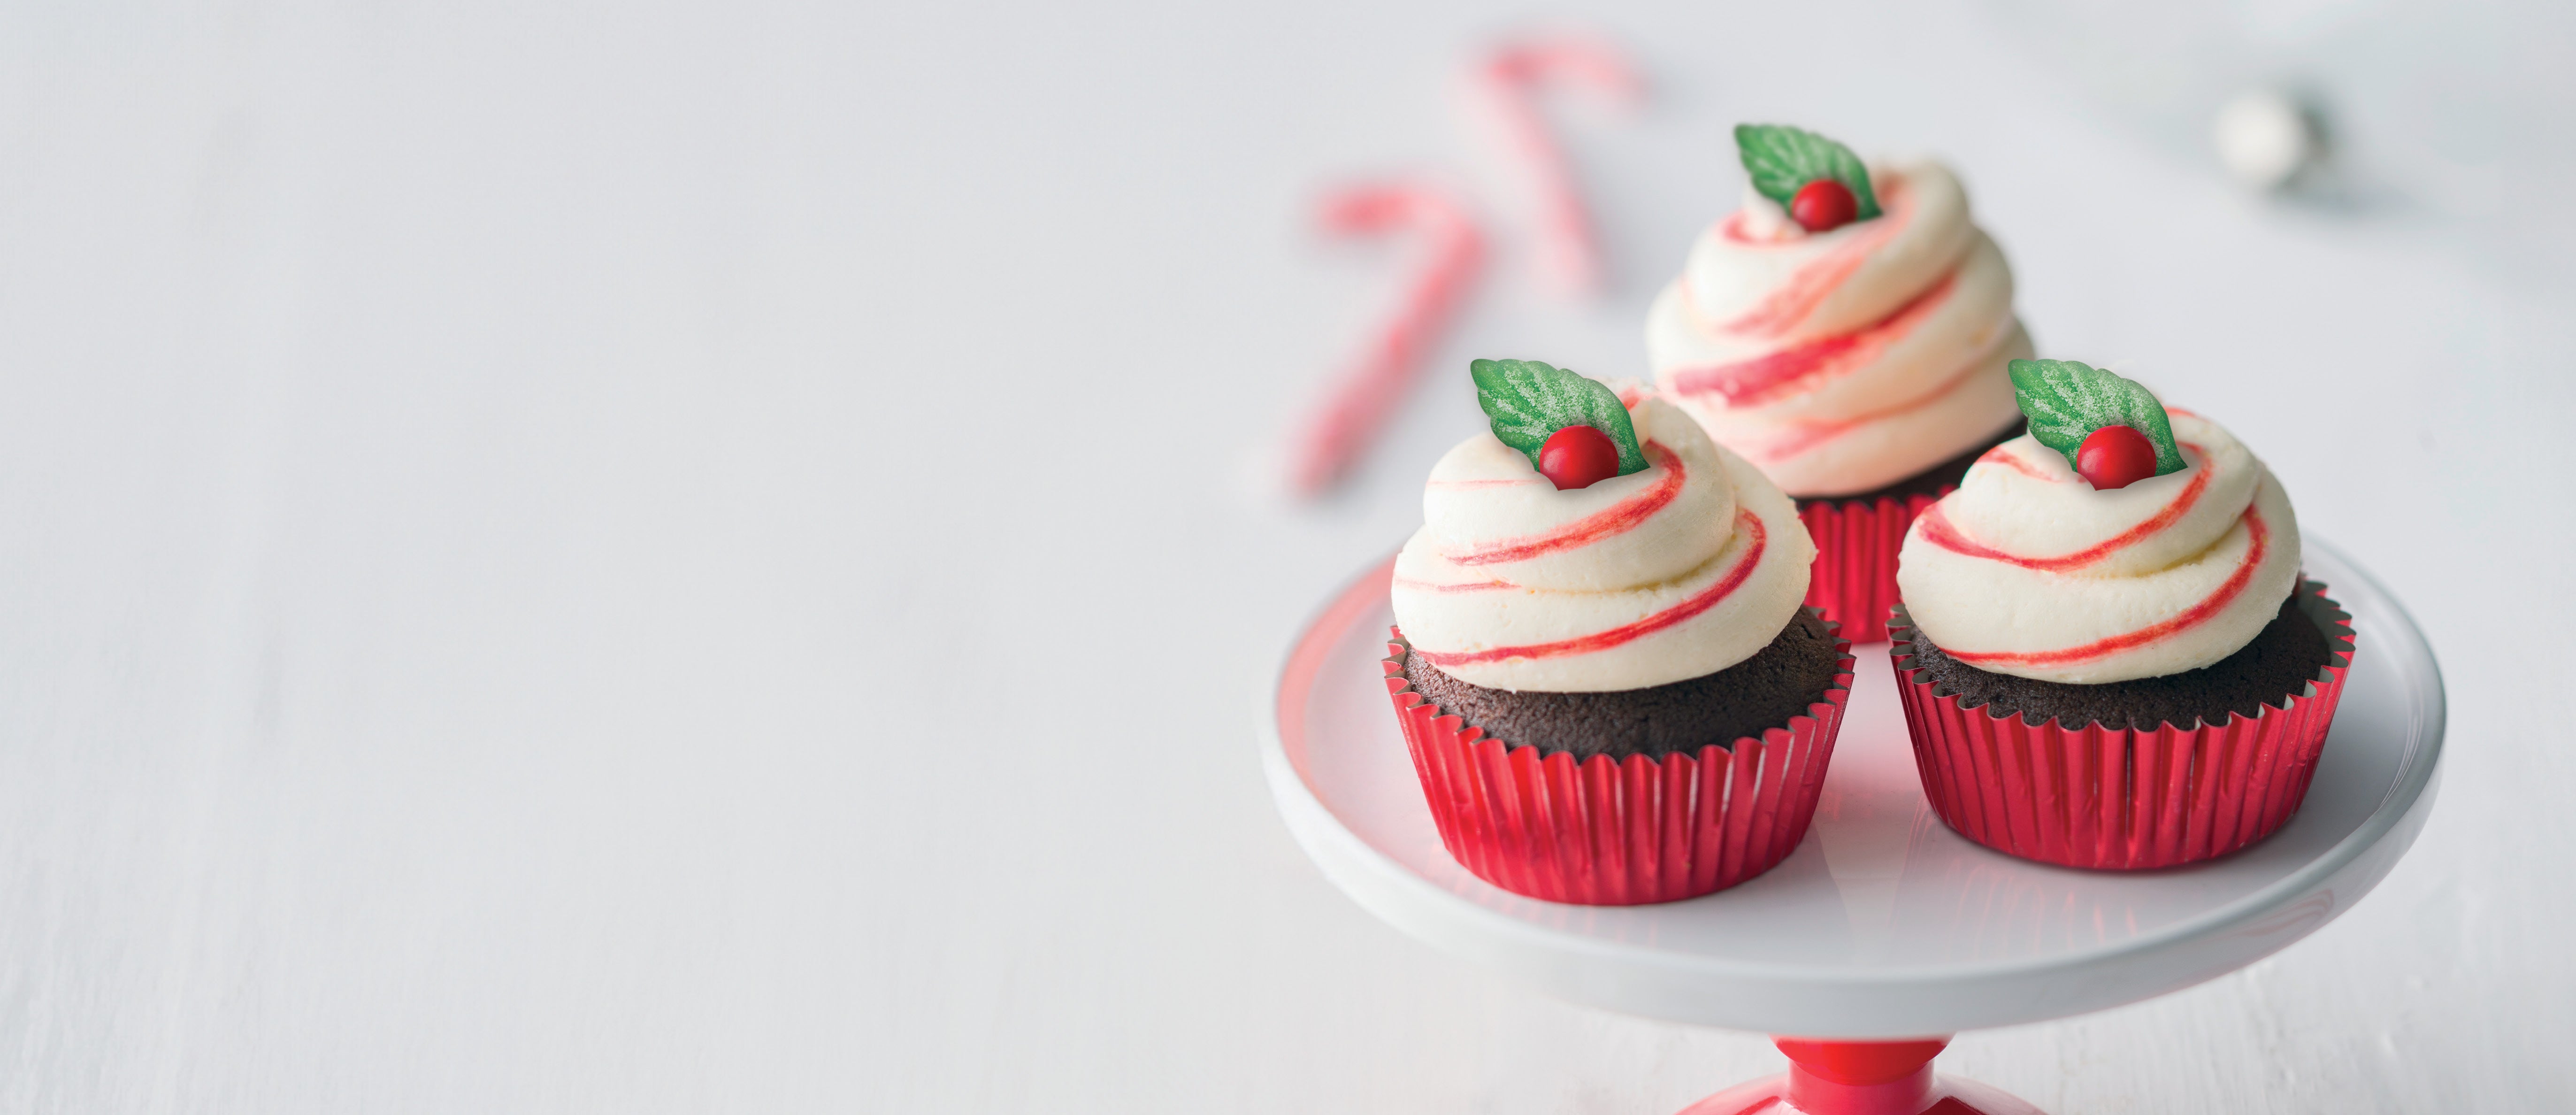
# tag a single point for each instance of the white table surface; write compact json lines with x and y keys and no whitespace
{"x":635,"y":558}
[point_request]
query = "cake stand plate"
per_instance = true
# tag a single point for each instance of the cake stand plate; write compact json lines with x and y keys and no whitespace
{"x":1884,"y":925}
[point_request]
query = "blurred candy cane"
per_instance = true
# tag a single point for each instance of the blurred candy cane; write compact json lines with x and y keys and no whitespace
{"x":1506,"y":81}
{"x":1375,"y":382}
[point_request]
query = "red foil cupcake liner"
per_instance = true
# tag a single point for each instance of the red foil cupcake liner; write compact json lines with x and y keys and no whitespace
{"x":1854,"y":579}
{"x":1617,"y":832}
{"x":2122,"y":799}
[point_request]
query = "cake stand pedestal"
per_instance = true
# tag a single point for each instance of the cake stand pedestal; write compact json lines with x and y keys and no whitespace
{"x":1861,"y":1078}
{"x":1885,"y":931}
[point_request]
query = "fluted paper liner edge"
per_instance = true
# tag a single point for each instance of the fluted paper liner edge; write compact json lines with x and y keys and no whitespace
{"x":2121,"y":799}
{"x":1618,"y":832}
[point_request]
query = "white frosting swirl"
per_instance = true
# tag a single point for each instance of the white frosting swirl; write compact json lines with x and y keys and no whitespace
{"x":1681,"y":570}
{"x":2027,"y":570}
{"x":1845,"y":360}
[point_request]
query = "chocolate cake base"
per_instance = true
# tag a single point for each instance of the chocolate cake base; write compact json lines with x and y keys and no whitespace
{"x":1745,"y":699}
{"x":2283,"y":658}
{"x":1931,"y":481}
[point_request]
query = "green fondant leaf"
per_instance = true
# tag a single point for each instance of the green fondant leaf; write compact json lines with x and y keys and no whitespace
{"x":1527,"y":401}
{"x":1781,"y":159}
{"x":2066,"y":401}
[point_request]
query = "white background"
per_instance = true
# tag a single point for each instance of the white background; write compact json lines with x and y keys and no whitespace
{"x":633,"y":558}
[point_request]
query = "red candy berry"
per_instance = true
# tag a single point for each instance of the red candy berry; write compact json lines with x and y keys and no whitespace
{"x":2115,"y":457}
{"x":1823,"y":205}
{"x":1577,"y":457}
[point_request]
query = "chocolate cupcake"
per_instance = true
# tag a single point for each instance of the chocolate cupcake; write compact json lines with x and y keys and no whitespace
{"x":1744,"y":700}
{"x":2106,"y":655}
{"x":1846,"y":331}
{"x":1590,"y":619}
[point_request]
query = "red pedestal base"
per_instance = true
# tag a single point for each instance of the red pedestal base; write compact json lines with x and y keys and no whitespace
{"x":1860,"y":1078}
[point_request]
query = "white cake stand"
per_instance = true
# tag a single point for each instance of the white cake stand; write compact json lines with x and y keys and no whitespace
{"x":1885,"y":931}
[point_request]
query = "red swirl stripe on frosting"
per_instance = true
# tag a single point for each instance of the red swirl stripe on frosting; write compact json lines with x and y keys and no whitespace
{"x":1708,"y":598}
{"x":1938,"y":530}
{"x":1801,"y":435}
{"x":1463,"y":586}
{"x":1812,"y":284}
{"x":2195,"y":616}
{"x":2011,"y":460}
{"x":1620,"y":518}
{"x":1786,"y":372}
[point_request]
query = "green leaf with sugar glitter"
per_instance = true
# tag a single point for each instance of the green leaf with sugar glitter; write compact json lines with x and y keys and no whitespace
{"x":1528,"y":401}
{"x":2066,"y":401}
{"x":1781,"y":159}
